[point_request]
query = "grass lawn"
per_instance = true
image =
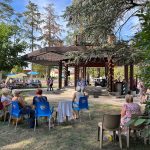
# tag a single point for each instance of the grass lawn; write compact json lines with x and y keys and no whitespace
{"x":73,"y":136}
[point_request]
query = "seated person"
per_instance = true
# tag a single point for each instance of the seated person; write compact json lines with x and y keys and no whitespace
{"x":128,"y":95}
{"x":79,"y":93}
{"x":6,"y":98}
{"x":1,"y":109}
{"x":22,"y":105}
{"x":39,"y":97}
{"x":129,"y":109}
{"x":25,"y":109}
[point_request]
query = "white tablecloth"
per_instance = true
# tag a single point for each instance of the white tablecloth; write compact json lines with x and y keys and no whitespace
{"x":64,"y":109}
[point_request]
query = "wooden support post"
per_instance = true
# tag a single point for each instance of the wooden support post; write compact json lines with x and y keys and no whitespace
{"x":76,"y":75}
{"x":131,"y":76}
{"x":84,"y":73}
{"x":66,"y":75}
{"x":60,"y":75}
{"x":126,"y":77}
{"x":48,"y":71}
{"x":110,"y":75}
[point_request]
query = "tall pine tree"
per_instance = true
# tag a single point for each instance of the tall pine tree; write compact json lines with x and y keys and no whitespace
{"x":51,"y":27}
{"x":6,"y":11}
{"x":32,"y":23}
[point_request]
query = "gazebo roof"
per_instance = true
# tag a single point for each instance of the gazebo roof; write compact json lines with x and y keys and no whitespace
{"x":51,"y":55}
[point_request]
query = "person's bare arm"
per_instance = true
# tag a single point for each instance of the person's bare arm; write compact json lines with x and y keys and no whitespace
{"x":21,"y":101}
{"x":123,"y":112}
{"x":86,"y":94}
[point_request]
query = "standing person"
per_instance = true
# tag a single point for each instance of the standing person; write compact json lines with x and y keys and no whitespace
{"x":51,"y":84}
{"x":142,"y":93}
{"x":48,"y":84}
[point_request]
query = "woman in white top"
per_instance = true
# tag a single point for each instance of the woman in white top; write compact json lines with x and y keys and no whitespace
{"x":6,"y":98}
{"x":79,"y":93}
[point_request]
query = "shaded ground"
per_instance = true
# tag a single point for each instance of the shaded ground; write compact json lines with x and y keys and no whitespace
{"x":73,"y":136}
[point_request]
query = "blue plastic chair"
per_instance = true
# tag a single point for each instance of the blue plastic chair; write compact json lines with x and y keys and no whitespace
{"x":82,"y":105}
{"x":15,"y":112}
{"x":42,"y":109}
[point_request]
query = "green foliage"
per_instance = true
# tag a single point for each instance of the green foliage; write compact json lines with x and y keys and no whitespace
{"x":10,"y":50}
{"x":137,"y":121}
{"x":94,"y":72}
{"x":147,"y":107}
{"x":70,"y":38}
{"x":95,"y":19}
{"x":32,"y":21}
{"x":17,"y":69}
{"x":51,"y":28}
{"x":6,"y":11}
{"x":142,"y":42}
{"x":121,"y":53}
{"x":39,"y":68}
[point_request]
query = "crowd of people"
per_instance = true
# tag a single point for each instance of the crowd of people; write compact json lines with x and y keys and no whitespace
{"x":13,"y":83}
{"x":7,"y":98}
{"x":127,"y":110}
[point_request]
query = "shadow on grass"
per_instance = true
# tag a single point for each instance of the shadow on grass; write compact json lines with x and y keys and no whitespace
{"x":75,"y":135}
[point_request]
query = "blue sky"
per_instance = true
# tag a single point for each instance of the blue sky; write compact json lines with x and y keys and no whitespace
{"x":19,"y":5}
{"x":59,"y":5}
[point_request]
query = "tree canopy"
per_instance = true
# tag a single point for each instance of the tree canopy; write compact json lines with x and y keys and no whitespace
{"x":6,"y":11}
{"x":142,"y":40}
{"x":96,"y":19}
{"x":32,"y":21}
{"x":51,"y":28}
{"x":10,"y":50}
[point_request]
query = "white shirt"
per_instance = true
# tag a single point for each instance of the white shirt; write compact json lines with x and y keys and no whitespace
{"x":6,"y":98}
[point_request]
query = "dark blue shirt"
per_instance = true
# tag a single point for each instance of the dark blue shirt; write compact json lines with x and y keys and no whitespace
{"x":39,"y":99}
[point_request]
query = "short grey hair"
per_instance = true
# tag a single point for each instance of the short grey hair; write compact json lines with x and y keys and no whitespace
{"x":78,"y":88}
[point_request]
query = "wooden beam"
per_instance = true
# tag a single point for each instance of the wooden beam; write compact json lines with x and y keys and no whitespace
{"x":126,"y":76}
{"x":131,"y":76}
{"x":76,"y":75}
{"x":65,"y":75}
{"x":60,"y":75}
{"x":110,"y":75}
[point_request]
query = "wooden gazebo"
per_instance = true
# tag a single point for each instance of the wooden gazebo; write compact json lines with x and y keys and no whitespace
{"x":55,"y":56}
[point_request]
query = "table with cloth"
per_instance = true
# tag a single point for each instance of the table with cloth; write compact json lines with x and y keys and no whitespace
{"x":64,"y":111}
